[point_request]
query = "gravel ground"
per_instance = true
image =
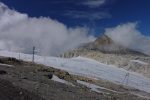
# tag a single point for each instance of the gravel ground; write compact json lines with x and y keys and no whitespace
{"x":10,"y":92}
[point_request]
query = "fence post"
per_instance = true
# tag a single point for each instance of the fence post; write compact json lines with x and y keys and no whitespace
{"x":33,"y":54}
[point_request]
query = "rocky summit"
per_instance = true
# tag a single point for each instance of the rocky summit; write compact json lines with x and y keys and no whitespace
{"x":106,"y":45}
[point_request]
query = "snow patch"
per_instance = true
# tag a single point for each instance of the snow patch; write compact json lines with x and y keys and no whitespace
{"x":57,"y":79}
{"x":95,"y":88}
{"x":6,"y":65}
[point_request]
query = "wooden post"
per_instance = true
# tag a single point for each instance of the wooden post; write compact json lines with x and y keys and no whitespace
{"x":33,"y":54}
{"x":19,"y":55}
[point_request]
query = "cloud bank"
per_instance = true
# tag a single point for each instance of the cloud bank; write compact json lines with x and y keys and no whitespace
{"x":129,"y":36}
{"x":19,"y":32}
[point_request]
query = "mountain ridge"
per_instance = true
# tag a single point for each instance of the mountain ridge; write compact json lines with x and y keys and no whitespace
{"x":106,"y":45}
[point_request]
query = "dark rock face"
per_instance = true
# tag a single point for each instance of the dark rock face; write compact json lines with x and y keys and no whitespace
{"x":50,"y":76}
{"x":2,"y":72}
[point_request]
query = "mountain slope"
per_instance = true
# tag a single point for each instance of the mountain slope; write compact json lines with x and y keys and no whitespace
{"x":90,"y":68}
{"x":63,"y":85}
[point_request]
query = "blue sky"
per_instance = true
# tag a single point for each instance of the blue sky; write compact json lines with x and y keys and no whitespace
{"x":96,"y":14}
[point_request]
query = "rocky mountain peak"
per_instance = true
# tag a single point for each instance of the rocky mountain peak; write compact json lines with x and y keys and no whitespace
{"x":106,"y":45}
{"x":103,"y":40}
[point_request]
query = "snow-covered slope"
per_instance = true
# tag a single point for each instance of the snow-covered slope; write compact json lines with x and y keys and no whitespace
{"x":89,"y":68}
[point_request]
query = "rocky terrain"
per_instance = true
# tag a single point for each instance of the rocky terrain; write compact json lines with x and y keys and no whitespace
{"x":106,"y":51}
{"x":21,"y":80}
{"x":11,"y":92}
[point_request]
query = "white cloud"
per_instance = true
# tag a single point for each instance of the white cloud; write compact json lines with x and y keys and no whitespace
{"x":20,"y":32}
{"x":94,"y":3}
{"x":129,"y":36}
{"x":88,"y":15}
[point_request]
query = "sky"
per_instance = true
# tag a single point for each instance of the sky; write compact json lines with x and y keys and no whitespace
{"x":57,"y":26}
{"x":96,"y":14}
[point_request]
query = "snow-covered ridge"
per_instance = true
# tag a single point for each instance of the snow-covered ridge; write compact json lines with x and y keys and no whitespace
{"x":89,"y":68}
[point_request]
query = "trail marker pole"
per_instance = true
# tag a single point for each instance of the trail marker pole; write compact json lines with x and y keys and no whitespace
{"x":33,"y":54}
{"x":19,"y":55}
